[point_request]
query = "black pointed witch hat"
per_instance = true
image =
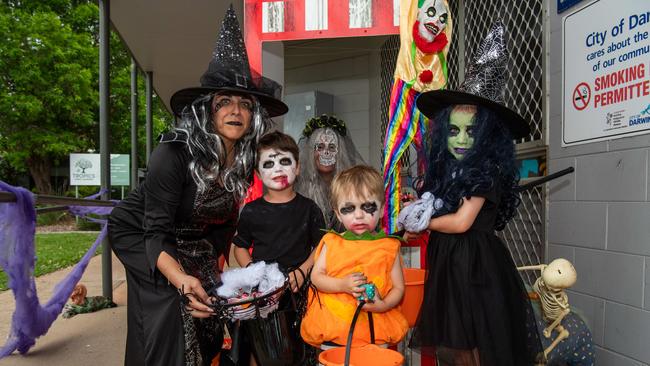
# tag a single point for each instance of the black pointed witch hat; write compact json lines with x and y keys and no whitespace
{"x":229,"y":70}
{"x":483,"y":86}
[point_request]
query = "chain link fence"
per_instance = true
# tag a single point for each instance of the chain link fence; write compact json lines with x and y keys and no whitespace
{"x":523,"y":21}
{"x":525,"y":234}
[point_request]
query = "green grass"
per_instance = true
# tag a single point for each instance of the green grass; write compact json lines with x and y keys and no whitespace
{"x":55,"y":251}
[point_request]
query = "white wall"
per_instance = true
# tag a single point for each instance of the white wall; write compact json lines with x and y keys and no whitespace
{"x":354,"y":84}
{"x":599,"y":218}
{"x":273,"y":68}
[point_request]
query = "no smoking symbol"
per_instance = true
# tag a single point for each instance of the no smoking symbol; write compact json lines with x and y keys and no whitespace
{"x":581,"y":96}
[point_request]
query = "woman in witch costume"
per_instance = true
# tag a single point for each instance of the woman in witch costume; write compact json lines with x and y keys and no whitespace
{"x":475,"y":310}
{"x":325,"y":150}
{"x":173,"y":230}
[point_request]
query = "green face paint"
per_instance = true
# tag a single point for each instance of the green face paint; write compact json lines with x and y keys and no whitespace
{"x":460,"y":136}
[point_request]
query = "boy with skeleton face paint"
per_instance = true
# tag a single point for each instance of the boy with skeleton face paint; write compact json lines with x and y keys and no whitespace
{"x":282,"y":226}
{"x":345,"y":264}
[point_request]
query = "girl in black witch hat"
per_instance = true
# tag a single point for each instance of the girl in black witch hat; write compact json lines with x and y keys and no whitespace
{"x":173,"y":231}
{"x":475,"y":309}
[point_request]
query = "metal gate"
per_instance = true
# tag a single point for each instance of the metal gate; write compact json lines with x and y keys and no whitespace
{"x":525,"y":234}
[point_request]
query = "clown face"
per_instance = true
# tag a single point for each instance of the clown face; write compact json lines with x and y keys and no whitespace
{"x":461,"y":131}
{"x":326,"y":146}
{"x":278,"y":169}
{"x":432,"y":19}
{"x":359,"y":215}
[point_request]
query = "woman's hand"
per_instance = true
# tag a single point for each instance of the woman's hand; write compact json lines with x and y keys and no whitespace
{"x":352,"y":283}
{"x":188,"y":285}
{"x":196,"y":296}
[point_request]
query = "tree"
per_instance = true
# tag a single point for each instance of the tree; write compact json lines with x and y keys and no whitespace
{"x":47,"y":93}
{"x":83,"y":164}
{"x":49,"y":65}
{"x":120,"y":109}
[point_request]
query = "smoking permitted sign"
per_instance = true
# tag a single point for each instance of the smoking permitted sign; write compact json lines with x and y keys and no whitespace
{"x":606,"y":71}
{"x":581,"y":96}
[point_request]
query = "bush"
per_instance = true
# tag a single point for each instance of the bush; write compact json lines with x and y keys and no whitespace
{"x":85,"y":225}
{"x":52,"y":218}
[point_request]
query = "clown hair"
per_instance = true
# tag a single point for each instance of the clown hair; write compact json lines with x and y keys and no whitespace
{"x":309,"y":183}
{"x":488,"y":165}
{"x":208,"y":150}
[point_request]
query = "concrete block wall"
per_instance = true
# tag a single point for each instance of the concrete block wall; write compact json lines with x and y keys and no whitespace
{"x":348,"y":80}
{"x":599,"y":218}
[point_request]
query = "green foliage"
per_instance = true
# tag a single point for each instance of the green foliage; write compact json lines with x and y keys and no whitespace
{"x":7,"y":173}
{"x":49,"y":102}
{"x":52,"y":218}
{"x":85,"y":225}
{"x":47,"y":90}
{"x":55,"y":251}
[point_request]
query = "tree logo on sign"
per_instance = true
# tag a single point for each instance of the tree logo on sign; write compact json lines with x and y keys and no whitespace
{"x":83,"y":164}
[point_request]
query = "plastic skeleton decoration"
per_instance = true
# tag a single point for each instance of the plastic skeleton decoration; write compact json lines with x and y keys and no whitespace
{"x":425,"y":31}
{"x":327,"y":146}
{"x":556,"y":277}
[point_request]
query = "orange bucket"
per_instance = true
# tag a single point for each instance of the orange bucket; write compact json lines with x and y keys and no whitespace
{"x":413,"y":294}
{"x":368,"y":355}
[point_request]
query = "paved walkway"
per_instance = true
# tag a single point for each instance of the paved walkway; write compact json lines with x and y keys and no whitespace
{"x":95,"y":339}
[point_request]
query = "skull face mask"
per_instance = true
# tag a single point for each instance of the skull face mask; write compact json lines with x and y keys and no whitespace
{"x":278,"y":169}
{"x":432,"y":19}
{"x":326,"y":146}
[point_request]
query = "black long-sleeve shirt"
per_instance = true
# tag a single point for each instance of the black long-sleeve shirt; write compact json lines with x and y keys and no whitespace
{"x":166,"y":207}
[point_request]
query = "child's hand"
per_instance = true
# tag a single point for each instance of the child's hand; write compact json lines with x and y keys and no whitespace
{"x":378,"y":305}
{"x":296,"y":279}
{"x":352,"y":283}
{"x":409,"y":235}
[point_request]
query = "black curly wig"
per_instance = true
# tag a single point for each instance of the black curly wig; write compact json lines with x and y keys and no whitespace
{"x":489,"y":164}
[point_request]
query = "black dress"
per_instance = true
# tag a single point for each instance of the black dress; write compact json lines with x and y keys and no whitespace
{"x":166,"y":213}
{"x":474,"y":297}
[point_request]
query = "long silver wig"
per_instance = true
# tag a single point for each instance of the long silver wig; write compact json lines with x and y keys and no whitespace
{"x":310,"y":183}
{"x":208,"y":152}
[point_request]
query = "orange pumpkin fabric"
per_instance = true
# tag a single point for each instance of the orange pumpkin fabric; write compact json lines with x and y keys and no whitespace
{"x":329,"y":315}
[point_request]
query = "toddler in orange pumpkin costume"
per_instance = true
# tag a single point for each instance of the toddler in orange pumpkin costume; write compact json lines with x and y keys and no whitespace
{"x":347,"y":261}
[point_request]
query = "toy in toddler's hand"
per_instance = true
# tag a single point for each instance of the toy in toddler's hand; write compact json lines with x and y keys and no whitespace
{"x":370,"y":290}
{"x":416,"y":216}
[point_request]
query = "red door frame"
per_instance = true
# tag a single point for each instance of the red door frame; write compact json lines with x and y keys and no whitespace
{"x":337,"y":26}
{"x":294,"y":24}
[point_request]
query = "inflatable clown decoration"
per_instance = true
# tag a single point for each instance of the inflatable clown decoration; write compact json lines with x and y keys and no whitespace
{"x":425,"y":31}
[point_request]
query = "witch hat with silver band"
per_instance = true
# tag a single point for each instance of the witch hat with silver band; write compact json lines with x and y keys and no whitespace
{"x":230,"y":71}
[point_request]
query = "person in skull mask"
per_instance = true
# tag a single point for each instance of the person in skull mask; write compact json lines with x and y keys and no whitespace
{"x":325,"y":150}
